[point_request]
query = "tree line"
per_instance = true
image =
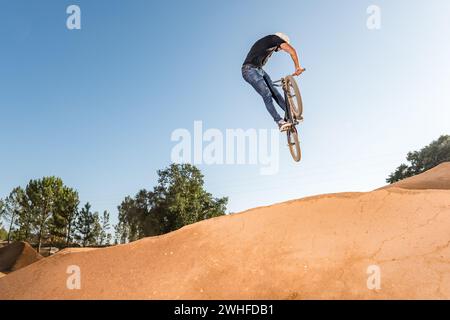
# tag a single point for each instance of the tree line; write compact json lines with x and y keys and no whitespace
{"x":48,"y":212}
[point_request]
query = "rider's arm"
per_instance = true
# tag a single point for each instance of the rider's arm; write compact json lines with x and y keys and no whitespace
{"x":291,"y":50}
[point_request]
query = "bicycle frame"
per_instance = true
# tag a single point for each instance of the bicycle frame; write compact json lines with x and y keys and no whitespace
{"x":288,"y":112}
{"x":291,"y":117}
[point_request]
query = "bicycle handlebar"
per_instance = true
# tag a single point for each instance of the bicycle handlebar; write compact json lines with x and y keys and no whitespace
{"x":304,"y":69}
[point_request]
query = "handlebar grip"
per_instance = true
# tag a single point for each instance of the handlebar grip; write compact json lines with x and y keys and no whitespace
{"x":304,"y":69}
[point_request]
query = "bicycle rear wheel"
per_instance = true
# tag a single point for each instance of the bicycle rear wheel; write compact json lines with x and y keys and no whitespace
{"x":294,"y":144}
{"x":294,"y":96}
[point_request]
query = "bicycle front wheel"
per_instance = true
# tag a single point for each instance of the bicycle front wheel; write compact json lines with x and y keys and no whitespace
{"x":294,"y":144}
{"x":294,"y":97}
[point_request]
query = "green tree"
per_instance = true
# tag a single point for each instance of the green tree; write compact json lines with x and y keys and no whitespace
{"x":87,"y":226}
{"x":121,"y":234}
{"x":42,"y":197}
{"x":105,"y":235}
{"x":420,"y":161}
{"x":64,"y":216}
{"x":24,"y":219}
{"x":134,"y":216}
{"x":13,"y":210}
{"x":181,"y":199}
{"x":177,"y":200}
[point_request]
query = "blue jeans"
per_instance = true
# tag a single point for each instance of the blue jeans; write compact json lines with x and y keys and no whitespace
{"x":262,"y":83}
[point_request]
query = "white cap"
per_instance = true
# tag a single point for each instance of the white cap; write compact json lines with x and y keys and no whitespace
{"x":283,"y":36}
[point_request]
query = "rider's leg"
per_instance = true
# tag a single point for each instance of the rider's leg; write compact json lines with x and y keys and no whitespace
{"x":256,"y":80}
{"x":275,"y":93}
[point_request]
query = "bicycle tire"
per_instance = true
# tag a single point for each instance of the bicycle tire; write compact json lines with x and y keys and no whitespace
{"x":294,"y":144}
{"x":295,"y":101}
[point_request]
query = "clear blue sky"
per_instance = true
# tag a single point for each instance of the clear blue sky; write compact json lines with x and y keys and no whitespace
{"x":97,"y":106}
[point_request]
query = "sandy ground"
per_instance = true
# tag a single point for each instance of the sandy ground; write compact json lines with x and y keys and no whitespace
{"x":314,"y":248}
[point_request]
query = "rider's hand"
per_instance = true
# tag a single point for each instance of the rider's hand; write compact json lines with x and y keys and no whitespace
{"x":298,"y":71}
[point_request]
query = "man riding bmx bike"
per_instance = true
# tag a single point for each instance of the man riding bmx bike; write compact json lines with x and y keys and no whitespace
{"x":254,"y":74}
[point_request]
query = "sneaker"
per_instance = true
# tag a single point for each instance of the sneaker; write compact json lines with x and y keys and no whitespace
{"x":283,"y":125}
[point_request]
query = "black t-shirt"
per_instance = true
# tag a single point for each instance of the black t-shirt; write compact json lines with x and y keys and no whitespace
{"x":262,"y":50}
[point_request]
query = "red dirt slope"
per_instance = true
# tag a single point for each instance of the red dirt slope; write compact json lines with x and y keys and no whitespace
{"x":17,"y":255}
{"x":435,"y":178}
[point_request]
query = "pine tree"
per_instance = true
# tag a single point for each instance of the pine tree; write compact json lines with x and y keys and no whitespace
{"x":105,"y":236}
{"x":87,"y":226}
{"x":13,"y":210}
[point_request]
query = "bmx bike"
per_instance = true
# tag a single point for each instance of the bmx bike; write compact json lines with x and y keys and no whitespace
{"x":293,"y":113}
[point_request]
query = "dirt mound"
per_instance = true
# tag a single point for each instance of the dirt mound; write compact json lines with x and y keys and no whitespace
{"x":435,"y":178}
{"x":319,"y":247}
{"x":75,"y":250}
{"x":17,"y":255}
